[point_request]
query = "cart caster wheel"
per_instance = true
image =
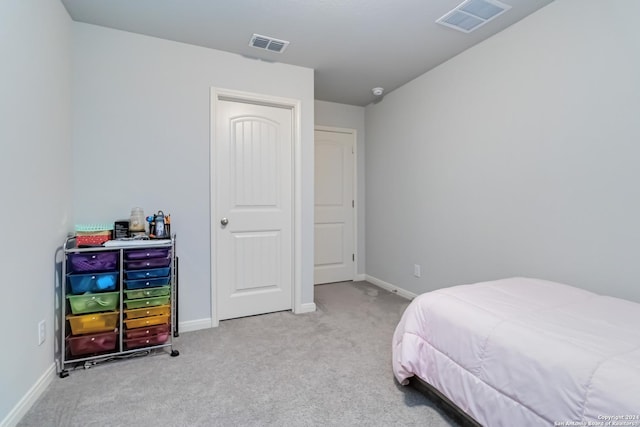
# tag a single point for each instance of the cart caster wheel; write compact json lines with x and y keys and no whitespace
{"x":64,"y":374}
{"x":175,"y":353}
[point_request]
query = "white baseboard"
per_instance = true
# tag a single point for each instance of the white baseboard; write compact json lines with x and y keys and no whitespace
{"x":309,"y":307}
{"x":360,"y":277}
{"x":194,"y":325}
{"x":27,"y":401}
{"x":391,"y":288}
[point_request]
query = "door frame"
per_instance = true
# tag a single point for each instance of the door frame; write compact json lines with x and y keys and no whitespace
{"x":220,"y":94}
{"x":354,"y":181}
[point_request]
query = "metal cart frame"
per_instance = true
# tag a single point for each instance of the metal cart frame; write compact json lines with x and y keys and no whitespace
{"x":62,"y":309}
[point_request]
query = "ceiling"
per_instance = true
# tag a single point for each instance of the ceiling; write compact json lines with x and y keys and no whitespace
{"x":353,"y":45}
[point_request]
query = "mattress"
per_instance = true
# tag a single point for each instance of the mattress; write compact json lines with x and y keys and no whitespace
{"x":525,"y":352}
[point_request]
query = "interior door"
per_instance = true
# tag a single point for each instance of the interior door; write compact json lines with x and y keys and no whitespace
{"x":334,"y":207}
{"x":254,"y":208}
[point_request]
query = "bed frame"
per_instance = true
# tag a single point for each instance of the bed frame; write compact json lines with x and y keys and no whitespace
{"x":443,"y":403}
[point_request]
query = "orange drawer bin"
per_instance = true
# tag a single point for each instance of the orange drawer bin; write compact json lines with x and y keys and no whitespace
{"x":143,"y":322}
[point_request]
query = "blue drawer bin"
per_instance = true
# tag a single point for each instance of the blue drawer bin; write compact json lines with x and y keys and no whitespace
{"x":147,"y":274}
{"x":146,"y":283}
{"x":96,"y":282}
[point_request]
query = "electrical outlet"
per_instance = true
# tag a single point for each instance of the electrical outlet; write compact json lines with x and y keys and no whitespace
{"x":417,"y":270}
{"x":42,"y":331}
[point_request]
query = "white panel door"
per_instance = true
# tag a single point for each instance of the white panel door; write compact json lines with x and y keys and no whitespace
{"x":334,"y":218}
{"x":254,"y":209}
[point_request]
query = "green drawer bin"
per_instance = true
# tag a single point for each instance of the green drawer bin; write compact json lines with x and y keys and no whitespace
{"x":149,"y":292}
{"x":91,"y":303}
{"x":147,"y":302}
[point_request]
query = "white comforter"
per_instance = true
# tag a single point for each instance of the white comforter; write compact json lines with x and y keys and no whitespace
{"x":525,"y":352}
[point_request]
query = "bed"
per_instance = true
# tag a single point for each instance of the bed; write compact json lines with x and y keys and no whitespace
{"x":524,"y":352}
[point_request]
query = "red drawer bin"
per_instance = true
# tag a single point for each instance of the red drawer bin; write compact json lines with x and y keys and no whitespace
{"x":147,"y":341}
{"x":93,"y":343}
{"x":146,"y":332}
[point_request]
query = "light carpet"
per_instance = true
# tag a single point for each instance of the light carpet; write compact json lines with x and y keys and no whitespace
{"x":327,"y":368}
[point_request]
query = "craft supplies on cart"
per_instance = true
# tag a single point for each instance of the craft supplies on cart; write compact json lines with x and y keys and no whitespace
{"x":93,"y":234}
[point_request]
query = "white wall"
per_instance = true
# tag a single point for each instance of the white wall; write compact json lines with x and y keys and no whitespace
{"x":141,"y":138}
{"x":35,"y":181}
{"x":350,"y":117}
{"x":517,"y":157}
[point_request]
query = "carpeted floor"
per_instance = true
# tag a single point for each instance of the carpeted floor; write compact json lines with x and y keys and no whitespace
{"x":327,"y":368}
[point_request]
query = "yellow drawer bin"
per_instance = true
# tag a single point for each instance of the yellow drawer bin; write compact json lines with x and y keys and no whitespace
{"x":161,"y":310}
{"x":92,"y":323}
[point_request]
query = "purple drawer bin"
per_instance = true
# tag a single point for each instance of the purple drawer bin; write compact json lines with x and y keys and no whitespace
{"x":147,"y":274}
{"x":146,"y":283}
{"x":139,"y":254}
{"x":147,"y":263}
{"x":93,"y":261}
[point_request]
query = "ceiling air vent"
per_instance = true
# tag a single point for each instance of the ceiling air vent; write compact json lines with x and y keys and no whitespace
{"x":472,"y":14}
{"x":268,"y":43}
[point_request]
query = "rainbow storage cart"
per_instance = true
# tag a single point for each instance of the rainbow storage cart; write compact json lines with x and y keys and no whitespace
{"x":116,"y":301}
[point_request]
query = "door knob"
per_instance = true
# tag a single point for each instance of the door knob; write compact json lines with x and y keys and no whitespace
{"x":224,"y":221}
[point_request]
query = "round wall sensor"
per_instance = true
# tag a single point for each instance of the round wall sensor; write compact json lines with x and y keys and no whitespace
{"x":377,"y":91}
